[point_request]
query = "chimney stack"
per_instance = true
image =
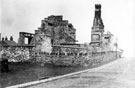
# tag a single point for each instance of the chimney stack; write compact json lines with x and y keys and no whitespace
{"x":11,"y":38}
{"x":2,"y":38}
{"x":6,"y":38}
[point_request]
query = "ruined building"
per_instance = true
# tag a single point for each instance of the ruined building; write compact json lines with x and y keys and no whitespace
{"x":58,"y":29}
{"x":23,"y":35}
{"x":54,"y":31}
{"x":55,"y":42}
{"x":54,"y":34}
{"x":98,"y":36}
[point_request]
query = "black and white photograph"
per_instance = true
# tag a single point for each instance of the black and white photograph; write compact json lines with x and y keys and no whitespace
{"x":67,"y":44}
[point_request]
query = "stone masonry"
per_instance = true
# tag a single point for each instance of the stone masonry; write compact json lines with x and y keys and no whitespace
{"x":59,"y":30}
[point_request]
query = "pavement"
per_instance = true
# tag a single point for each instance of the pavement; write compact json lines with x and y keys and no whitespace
{"x":118,"y":74}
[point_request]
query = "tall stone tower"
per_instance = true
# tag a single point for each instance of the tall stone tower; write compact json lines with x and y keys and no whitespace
{"x":97,"y":28}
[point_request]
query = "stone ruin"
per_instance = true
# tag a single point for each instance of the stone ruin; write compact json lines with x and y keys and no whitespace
{"x":23,"y":35}
{"x":55,"y":41}
{"x":53,"y":31}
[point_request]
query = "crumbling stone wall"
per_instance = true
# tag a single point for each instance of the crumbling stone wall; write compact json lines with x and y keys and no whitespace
{"x":16,"y":54}
{"x":81,"y":59}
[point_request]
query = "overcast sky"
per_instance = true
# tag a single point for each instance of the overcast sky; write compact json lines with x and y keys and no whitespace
{"x":26,"y":15}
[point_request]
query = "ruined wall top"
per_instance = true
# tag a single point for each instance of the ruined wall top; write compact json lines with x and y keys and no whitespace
{"x":55,"y":20}
{"x":59,"y":30}
{"x":58,"y":18}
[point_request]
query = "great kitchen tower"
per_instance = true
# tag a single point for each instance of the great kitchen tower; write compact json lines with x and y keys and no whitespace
{"x":97,"y":28}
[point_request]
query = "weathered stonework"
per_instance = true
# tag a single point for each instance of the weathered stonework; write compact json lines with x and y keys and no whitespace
{"x":100,"y":39}
{"x":42,"y":43}
{"x":55,"y":43}
{"x":97,"y":31}
{"x":59,"y":30}
{"x":23,"y":35}
{"x":53,"y":31}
